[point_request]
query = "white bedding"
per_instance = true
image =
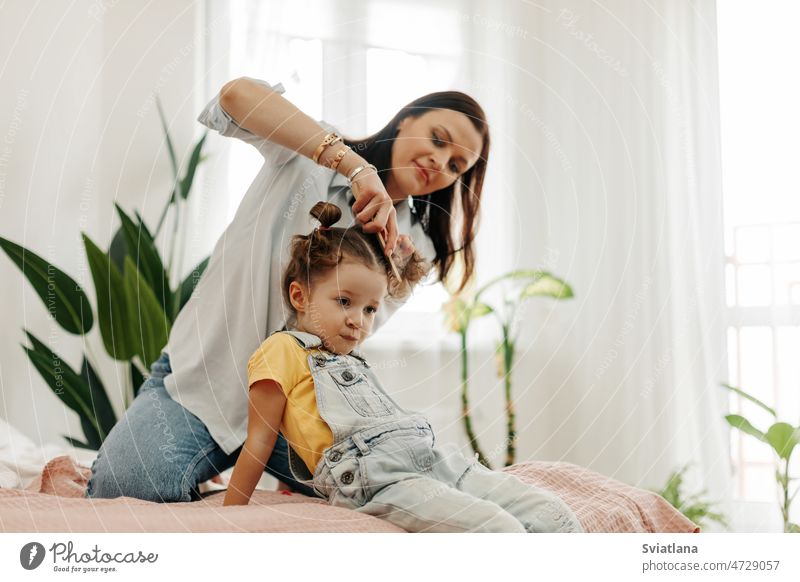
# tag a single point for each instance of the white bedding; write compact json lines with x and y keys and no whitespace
{"x":22,"y":461}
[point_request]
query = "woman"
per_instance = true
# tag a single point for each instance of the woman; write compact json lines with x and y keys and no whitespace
{"x":189,"y":419}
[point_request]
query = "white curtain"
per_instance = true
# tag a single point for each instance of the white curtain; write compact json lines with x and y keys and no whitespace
{"x":610,"y":150}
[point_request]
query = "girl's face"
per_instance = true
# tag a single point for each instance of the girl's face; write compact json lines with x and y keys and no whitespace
{"x":431,"y":151}
{"x":341,"y":305}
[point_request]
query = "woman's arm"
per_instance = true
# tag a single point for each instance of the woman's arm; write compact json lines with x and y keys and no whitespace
{"x":264,"y":112}
{"x":265,"y":410}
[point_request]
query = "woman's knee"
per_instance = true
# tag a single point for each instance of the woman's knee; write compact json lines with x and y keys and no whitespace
{"x":123,"y":470}
{"x":119,"y":478}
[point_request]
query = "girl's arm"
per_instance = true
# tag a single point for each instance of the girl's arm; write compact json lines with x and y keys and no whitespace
{"x":265,"y":410}
{"x":264,"y":112}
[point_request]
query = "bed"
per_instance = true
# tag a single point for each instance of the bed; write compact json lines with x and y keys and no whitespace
{"x":53,"y":502}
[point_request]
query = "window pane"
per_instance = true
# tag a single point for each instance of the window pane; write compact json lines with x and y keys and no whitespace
{"x":754,"y":286}
{"x":396,"y":77}
{"x":431,"y":27}
{"x":757,"y":372}
{"x":787,"y":242}
{"x":752,"y":244}
{"x":788,"y":372}
{"x":787,"y":278}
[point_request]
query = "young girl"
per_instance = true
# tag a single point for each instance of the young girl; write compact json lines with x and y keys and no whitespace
{"x":348,"y":439}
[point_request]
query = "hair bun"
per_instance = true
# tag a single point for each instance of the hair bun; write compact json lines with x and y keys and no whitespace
{"x":328,"y":214}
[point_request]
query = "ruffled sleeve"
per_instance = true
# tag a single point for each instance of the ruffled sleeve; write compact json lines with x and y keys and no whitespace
{"x":215,"y":117}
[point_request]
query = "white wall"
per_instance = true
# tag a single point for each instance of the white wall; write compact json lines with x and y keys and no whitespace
{"x":78,"y":131}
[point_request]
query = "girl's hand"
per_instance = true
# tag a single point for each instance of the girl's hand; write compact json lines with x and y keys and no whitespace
{"x":374,"y":208}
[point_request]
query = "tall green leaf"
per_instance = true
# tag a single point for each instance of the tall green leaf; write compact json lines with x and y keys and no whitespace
{"x":112,"y":308}
{"x":547,"y":286}
{"x":143,"y":249}
{"x":194,"y":161}
{"x":136,"y":379}
{"x":147,"y":321}
{"x":62,"y":296}
{"x":189,"y":283}
{"x":740,"y":422}
{"x":118,"y":249}
{"x":170,"y":148}
{"x":79,"y":444}
{"x":66,"y":384}
{"x":752,"y":399}
{"x":101,"y":405}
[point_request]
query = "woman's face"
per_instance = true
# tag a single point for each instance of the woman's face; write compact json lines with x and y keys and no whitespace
{"x":431,"y":151}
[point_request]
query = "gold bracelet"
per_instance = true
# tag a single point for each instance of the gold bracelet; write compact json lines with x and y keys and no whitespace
{"x":358,"y":170}
{"x":329,"y":139}
{"x":339,"y":155}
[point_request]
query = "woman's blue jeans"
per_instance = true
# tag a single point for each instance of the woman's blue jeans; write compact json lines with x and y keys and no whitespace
{"x":160,"y":451}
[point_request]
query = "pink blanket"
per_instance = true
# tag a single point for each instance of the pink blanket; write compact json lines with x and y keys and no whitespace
{"x":55,"y":503}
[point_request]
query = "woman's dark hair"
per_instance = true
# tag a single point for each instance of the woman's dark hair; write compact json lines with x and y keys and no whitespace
{"x":315,"y":254}
{"x":434,"y":210}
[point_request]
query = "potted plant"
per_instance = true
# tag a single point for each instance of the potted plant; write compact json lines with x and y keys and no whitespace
{"x":136,"y":303}
{"x":782,"y":437}
{"x":514,"y":289}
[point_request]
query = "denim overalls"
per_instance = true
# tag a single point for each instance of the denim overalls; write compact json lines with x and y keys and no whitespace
{"x":384,"y":462}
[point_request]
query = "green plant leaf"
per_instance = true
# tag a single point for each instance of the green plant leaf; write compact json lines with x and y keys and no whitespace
{"x":693,"y":507}
{"x":93,"y":438}
{"x":142,"y":248}
{"x":189,"y":283}
{"x":65,"y":383}
{"x":740,"y":422}
{"x":143,"y":226}
{"x":148,"y":322}
{"x":456,"y":314}
{"x":170,"y":148}
{"x":479,"y":310}
{"x":118,"y":249}
{"x":136,"y":379}
{"x":752,"y":399}
{"x":77,"y":443}
{"x":546,"y":286}
{"x":511,"y":276}
{"x":101,"y":405}
{"x":194,"y":161}
{"x":783,"y":437}
{"x":112,"y":308}
{"x":62,"y":296}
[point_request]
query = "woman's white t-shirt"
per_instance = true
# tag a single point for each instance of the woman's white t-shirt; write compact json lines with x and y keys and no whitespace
{"x":239,"y":301}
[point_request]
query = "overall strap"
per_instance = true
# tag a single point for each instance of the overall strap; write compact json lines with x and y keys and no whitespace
{"x":310,"y":341}
{"x":306,"y":340}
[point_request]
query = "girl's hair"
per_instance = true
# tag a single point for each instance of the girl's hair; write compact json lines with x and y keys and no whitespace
{"x":315,"y":254}
{"x":434,"y":210}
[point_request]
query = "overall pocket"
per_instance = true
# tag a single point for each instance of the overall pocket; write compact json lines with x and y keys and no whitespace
{"x":403,"y":450}
{"x":362,"y":397}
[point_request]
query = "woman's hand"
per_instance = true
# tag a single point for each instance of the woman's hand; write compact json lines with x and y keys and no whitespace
{"x":405,"y":248}
{"x":373,"y":207}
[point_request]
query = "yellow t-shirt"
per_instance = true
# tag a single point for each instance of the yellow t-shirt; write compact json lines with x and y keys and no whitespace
{"x":282,"y":359}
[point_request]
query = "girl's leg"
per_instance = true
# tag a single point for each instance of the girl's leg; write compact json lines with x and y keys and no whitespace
{"x":159,"y":451}
{"x":537,"y":509}
{"x":422,"y":504}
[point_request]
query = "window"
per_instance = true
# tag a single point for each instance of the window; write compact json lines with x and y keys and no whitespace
{"x":760,"y":124}
{"x":353,"y":64}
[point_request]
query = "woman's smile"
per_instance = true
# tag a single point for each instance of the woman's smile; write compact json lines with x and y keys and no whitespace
{"x":422,"y":173}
